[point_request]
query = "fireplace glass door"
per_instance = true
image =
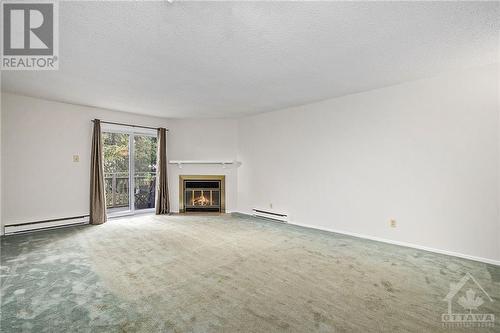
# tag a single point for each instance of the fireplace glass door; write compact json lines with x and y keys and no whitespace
{"x":202,"y":195}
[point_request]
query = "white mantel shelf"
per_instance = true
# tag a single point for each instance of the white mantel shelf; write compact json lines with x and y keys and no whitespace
{"x":222,"y":163}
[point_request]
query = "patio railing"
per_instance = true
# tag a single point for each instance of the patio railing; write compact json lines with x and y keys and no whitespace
{"x":118,"y":189}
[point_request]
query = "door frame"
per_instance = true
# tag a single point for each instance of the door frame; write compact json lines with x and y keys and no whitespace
{"x":131,"y":132}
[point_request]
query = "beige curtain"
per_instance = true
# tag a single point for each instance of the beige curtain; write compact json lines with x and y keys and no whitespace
{"x":97,"y":198}
{"x":162,"y":203}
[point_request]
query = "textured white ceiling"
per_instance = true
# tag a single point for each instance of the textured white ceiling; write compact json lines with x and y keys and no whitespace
{"x":217,"y":59}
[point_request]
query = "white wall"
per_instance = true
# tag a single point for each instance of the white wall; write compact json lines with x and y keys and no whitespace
{"x":425,"y":153}
{"x":208,"y":140}
{"x":40,"y":137}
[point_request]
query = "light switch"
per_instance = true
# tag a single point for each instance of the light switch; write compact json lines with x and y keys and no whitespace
{"x":76,"y":158}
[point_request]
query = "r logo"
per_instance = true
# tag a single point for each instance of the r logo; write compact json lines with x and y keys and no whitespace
{"x":28,"y":29}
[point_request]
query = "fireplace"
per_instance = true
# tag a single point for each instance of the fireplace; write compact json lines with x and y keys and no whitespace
{"x":201,"y":193}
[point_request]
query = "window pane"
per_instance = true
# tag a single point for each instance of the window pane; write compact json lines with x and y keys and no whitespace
{"x":116,"y":170}
{"x":145,"y":171}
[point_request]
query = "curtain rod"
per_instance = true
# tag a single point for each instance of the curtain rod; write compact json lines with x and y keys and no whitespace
{"x":122,"y":124}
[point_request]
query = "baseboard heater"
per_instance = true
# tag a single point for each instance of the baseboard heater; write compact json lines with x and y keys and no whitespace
{"x":45,"y":224}
{"x":270,"y":215}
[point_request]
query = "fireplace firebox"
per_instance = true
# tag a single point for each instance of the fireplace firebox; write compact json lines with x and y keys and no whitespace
{"x":201,"y":193}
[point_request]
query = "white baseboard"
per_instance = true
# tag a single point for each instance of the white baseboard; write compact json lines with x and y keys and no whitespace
{"x":410,"y":245}
{"x":389,"y":241}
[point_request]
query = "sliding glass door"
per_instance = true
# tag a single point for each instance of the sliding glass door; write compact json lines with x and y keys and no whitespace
{"x":144,"y":172}
{"x":116,"y":151}
{"x":129,"y":171}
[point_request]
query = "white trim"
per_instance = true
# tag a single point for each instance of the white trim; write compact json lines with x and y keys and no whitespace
{"x":222,"y":163}
{"x":393,"y":242}
{"x":132,"y":132}
{"x":119,"y":213}
{"x":201,"y":162}
{"x":145,"y":210}
{"x":140,"y":212}
{"x":131,"y":172}
{"x":410,"y":245}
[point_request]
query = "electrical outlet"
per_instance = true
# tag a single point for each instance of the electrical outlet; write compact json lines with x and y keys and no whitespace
{"x":271,"y":205}
{"x":392,"y":223}
{"x":76,"y":158}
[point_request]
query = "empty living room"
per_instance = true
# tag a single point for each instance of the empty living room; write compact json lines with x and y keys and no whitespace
{"x":249,"y":166}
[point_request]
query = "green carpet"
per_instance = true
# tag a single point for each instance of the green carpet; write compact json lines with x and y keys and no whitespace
{"x":229,"y":274}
